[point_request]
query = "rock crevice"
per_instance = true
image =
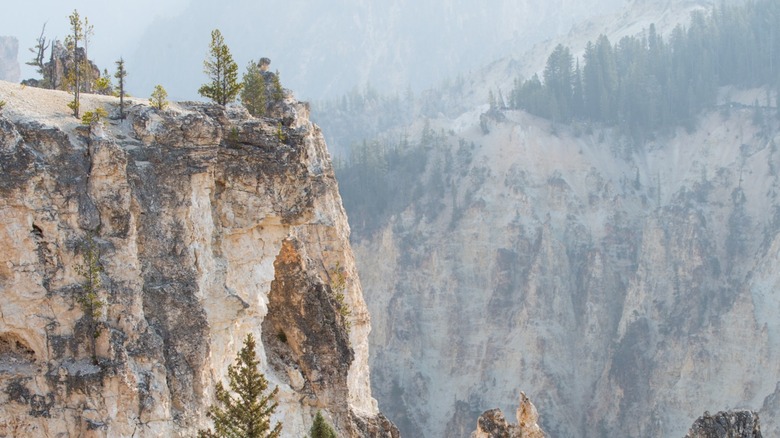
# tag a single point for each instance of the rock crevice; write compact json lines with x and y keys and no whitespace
{"x":208,"y":226}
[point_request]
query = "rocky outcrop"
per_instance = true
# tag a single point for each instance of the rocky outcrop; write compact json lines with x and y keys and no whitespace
{"x":9,"y":64}
{"x":209,"y":225}
{"x":492,"y":424}
{"x":59,"y":68}
{"x":731,"y":424}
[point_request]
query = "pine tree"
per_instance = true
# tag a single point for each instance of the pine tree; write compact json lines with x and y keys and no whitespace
{"x":120,"y":76}
{"x":40,"y":50}
{"x":244,"y":411}
{"x":321,"y":428}
{"x":89,"y":298}
{"x":278,"y":91}
{"x":87,"y":78}
{"x":222,"y":71}
{"x":253,"y":94}
{"x":158,"y":99}
{"x":73,"y":44}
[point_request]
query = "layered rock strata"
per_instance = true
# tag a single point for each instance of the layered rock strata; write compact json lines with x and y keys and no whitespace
{"x":627,"y":288}
{"x":208,"y":224}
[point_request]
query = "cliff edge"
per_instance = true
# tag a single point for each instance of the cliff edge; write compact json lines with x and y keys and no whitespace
{"x":208,"y":224}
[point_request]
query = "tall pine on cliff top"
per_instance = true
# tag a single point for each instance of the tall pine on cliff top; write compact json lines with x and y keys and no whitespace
{"x":72,"y":42}
{"x":253,"y":95}
{"x":222,"y":72}
{"x":244,"y":411}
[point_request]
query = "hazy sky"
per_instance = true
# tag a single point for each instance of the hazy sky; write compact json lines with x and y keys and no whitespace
{"x":118,"y":24}
{"x":322,"y":48}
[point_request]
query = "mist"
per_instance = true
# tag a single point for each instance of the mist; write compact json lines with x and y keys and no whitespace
{"x":322,"y":49}
{"x":117,"y":27}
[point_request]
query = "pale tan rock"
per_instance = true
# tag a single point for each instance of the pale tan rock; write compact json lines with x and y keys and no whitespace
{"x":191,"y":209}
{"x":493,"y":424}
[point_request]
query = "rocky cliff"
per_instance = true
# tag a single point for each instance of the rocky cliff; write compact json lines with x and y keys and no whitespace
{"x":208,"y":225}
{"x":626,"y":288}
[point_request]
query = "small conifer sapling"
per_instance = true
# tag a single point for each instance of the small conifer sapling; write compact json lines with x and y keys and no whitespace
{"x":245,"y":409}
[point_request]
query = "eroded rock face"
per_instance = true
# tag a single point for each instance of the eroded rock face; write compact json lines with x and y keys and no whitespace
{"x":209,"y":226}
{"x":731,"y":424}
{"x":492,"y":424}
{"x":625,"y":289}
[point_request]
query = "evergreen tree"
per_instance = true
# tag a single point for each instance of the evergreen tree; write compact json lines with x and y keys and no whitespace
{"x":159,"y":96}
{"x":244,"y":411}
{"x":89,"y":298}
{"x":254,"y":93}
{"x":222,"y":72}
{"x":558,"y":83}
{"x":120,"y":75}
{"x":577,"y":104}
{"x":277,"y":90}
{"x":645,"y":83}
{"x":86,"y":69}
{"x":321,"y":428}
{"x":103,"y":84}
{"x":73,"y":45}
{"x":39,"y":51}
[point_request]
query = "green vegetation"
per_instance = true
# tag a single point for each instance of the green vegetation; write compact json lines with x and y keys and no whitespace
{"x":103,"y":84}
{"x":41,"y":45}
{"x":2,"y":104}
{"x":158,"y":99}
{"x":89,"y":294}
{"x":254,"y":92}
{"x":338,"y":278}
{"x":378,"y":180}
{"x":645,"y":84}
{"x":280,"y":133}
{"x":244,"y":411}
{"x":321,"y":428}
{"x":278,"y":91}
{"x":90,"y":117}
{"x":222,"y":72}
{"x":120,"y":75}
{"x":72,"y":42}
{"x":361,"y":114}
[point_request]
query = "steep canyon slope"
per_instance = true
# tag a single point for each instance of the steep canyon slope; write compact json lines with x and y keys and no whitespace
{"x":209,"y":224}
{"x":625,"y":288}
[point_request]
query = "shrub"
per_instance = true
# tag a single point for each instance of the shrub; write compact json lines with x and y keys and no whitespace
{"x":90,"y":117}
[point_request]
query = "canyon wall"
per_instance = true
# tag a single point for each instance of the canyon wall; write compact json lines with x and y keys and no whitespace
{"x":208,"y":225}
{"x":626,"y":288}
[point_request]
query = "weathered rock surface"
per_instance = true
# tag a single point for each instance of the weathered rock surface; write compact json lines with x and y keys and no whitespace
{"x":9,"y":63}
{"x":209,"y":225}
{"x":626,"y":289}
{"x":731,"y":424}
{"x":60,"y":66}
{"x":492,"y":424}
